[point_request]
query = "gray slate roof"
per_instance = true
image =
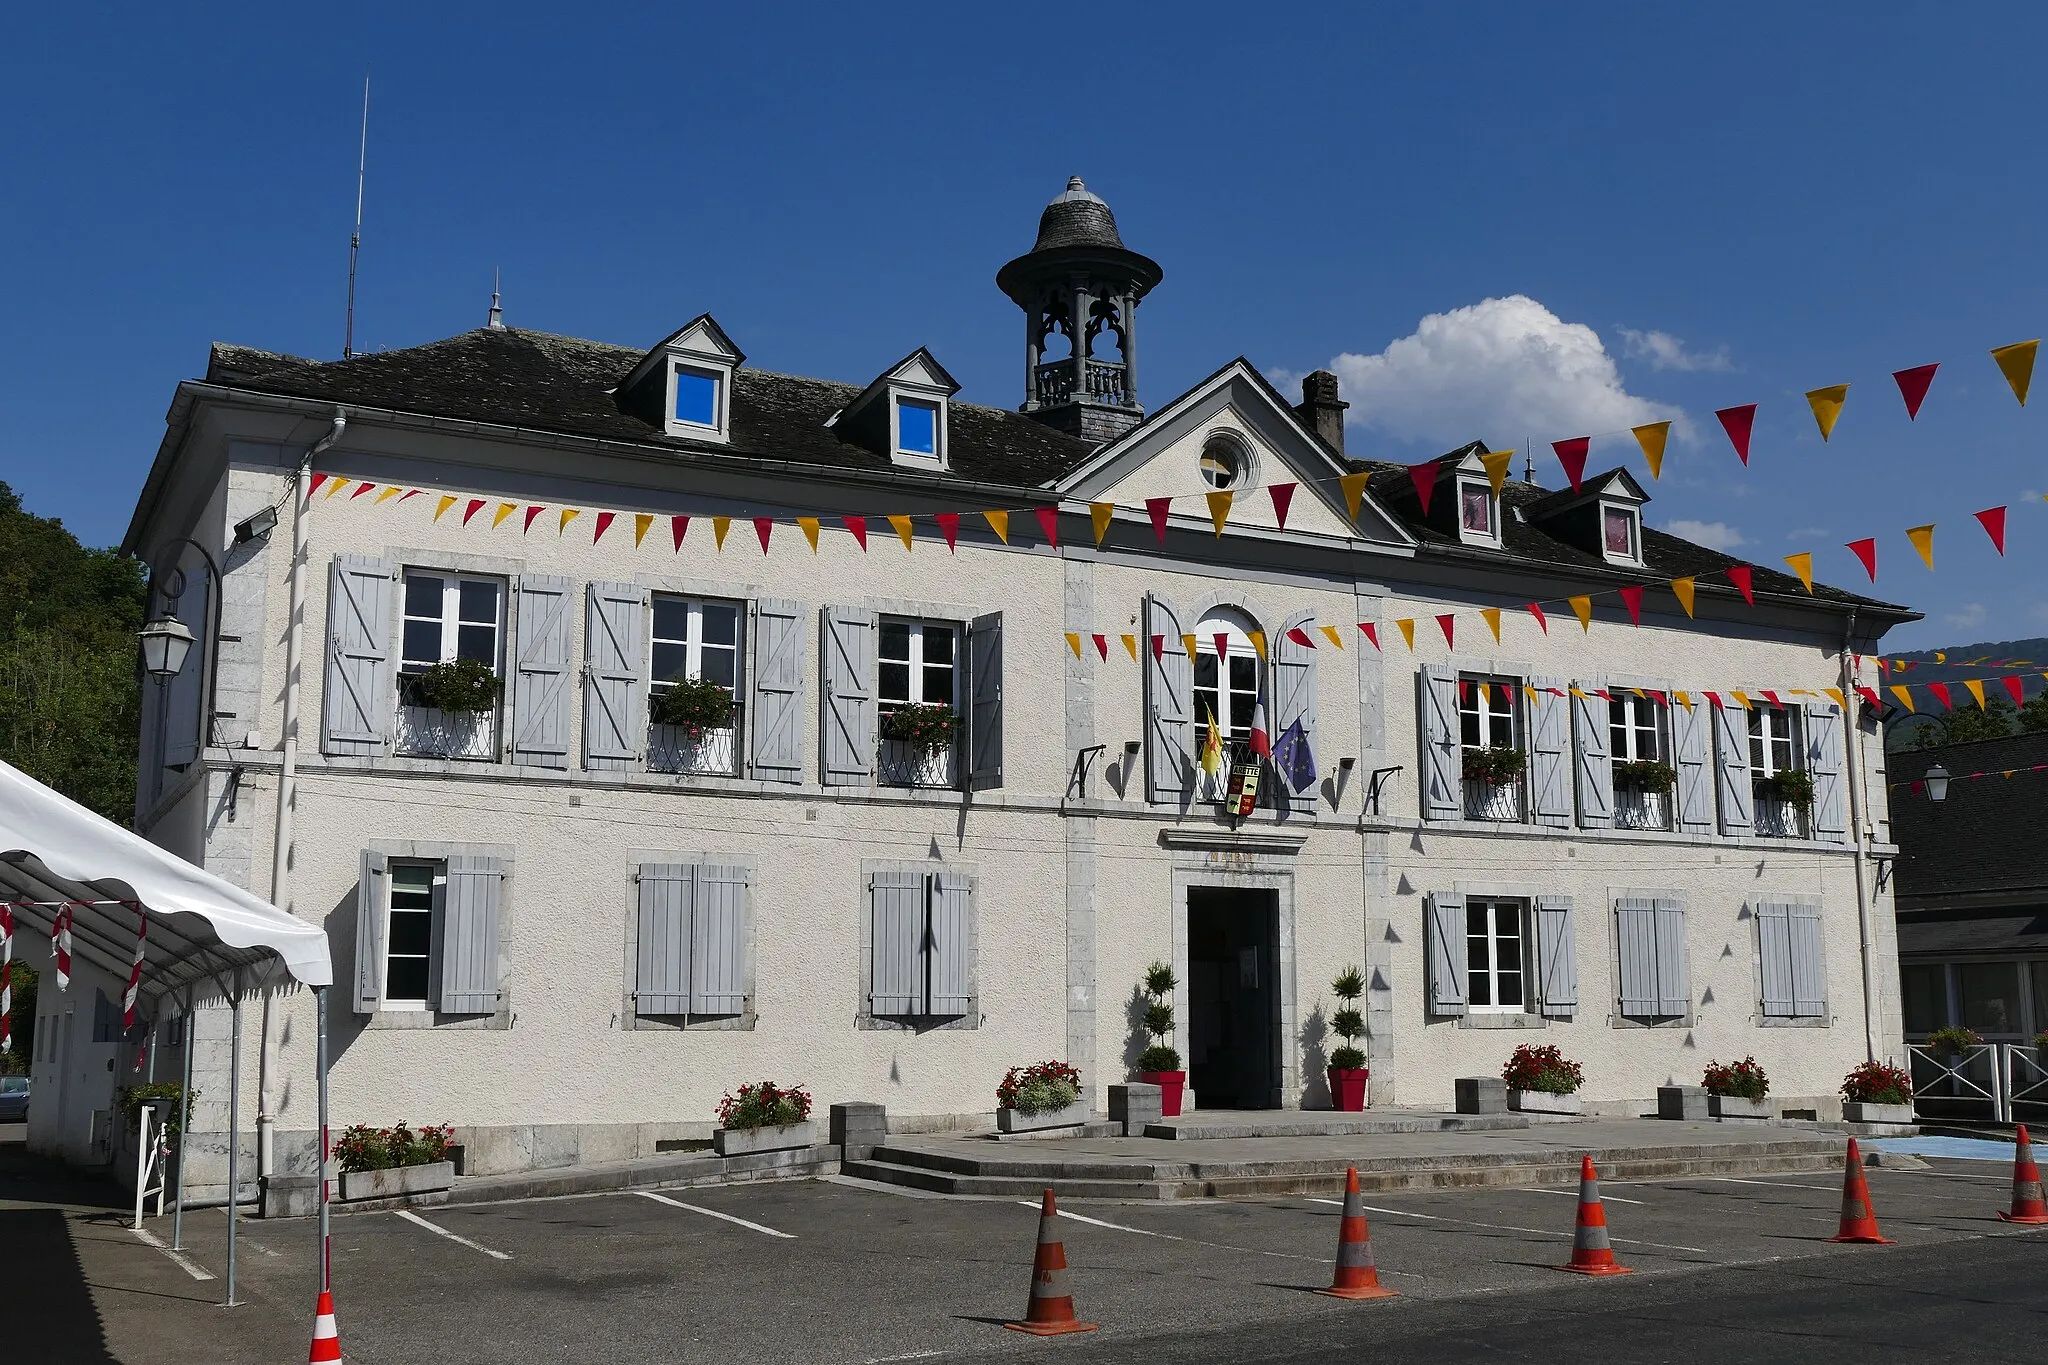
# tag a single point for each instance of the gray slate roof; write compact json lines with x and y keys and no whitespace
{"x":1988,"y":835}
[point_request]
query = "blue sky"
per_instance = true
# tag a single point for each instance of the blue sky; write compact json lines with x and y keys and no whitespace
{"x":1682,"y":208}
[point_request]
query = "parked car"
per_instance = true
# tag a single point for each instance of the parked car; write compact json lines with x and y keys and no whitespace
{"x":13,"y":1099}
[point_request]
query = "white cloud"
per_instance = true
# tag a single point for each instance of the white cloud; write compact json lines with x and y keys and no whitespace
{"x":1666,"y":352}
{"x":1968,"y":616}
{"x":1715,"y":535}
{"x":1502,"y":370}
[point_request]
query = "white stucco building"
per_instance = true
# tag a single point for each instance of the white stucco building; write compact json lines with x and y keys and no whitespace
{"x":567,"y":929}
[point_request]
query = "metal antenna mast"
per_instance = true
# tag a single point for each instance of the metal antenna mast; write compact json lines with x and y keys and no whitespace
{"x":355,"y":241}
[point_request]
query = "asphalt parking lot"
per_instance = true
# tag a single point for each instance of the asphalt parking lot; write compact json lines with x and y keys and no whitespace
{"x":836,"y":1271}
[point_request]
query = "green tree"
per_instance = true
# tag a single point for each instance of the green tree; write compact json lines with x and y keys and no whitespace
{"x":2034,"y":715}
{"x":1995,"y":720}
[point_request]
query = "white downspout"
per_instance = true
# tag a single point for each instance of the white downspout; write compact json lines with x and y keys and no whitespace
{"x":1852,"y":750}
{"x":287,"y":785}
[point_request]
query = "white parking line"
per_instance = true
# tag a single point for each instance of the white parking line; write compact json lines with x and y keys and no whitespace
{"x":1574,"y":1194}
{"x":1774,"y":1184}
{"x":412,"y":1217}
{"x":178,"y":1258}
{"x":1504,"y":1227}
{"x":1191,"y":1241}
{"x":713,"y":1213}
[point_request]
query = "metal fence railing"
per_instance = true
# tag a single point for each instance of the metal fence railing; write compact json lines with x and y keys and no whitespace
{"x":1999,"y":1082}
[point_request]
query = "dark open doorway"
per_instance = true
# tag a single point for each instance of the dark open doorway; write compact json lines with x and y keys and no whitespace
{"x":1234,"y":997}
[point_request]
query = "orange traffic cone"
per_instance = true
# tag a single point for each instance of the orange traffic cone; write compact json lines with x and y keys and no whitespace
{"x":1357,"y":1277}
{"x":1051,"y":1310}
{"x":2027,"y":1205}
{"x":1591,"y":1252}
{"x":1859,"y":1220}
{"x":326,"y":1340}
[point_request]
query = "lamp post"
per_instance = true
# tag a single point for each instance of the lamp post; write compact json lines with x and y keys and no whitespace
{"x":166,"y":640}
{"x":1936,"y":779}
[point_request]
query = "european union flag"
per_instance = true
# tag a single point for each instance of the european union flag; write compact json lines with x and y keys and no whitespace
{"x":1292,"y":757}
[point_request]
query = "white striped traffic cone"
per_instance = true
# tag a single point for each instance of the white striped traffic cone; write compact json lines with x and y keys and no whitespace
{"x":326,"y":1340}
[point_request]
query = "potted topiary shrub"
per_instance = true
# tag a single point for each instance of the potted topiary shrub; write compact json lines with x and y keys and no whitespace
{"x":1877,"y":1093}
{"x":1347,"y":1070}
{"x":763,"y":1117}
{"x":1159,"y":1064}
{"x":383,"y":1163}
{"x":1542,"y":1080}
{"x":1738,"y":1090}
{"x":1042,"y":1095}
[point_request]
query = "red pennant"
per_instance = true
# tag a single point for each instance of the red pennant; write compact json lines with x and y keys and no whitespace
{"x":949,"y":526}
{"x":1572,"y":455}
{"x":1913,"y":386}
{"x":604,"y":523}
{"x":762,"y":526}
{"x":677,"y":526}
{"x":859,"y":527}
{"x":2017,"y":686}
{"x":1869,"y":694}
{"x":475,"y":505}
{"x":1743,"y":577}
{"x":1603,"y":694}
{"x":1738,"y":422}
{"x":1424,"y":475}
{"x":1632,"y":598}
{"x":1772,"y":698}
{"x":1464,"y":692}
{"x":1866,"y":551}
{"x":1102,"y":646}
{"x":318,"y":479}
{"x":409,"y":493}
{"x":531,"y":513}
{"x":1714,"y":697}
{"x":1222,"y":646}
{"x":1372,"y":632}
{"x":1445,"y":621}
{"x":1992,"y":519}
{"x":1283,"y":497}
{"x":1157,"y":508}
{"x":1940,"y":691}
{"x":1158,"y":649}
{"x":1049,"y":522}
{"x":1541,"y":620}
{"x":1300,"y":637}
{"x":361,"y":489}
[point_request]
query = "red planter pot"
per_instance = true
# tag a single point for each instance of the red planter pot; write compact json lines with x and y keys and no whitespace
{"x":1347,"y":1088}
{"x":1170,"y":1085}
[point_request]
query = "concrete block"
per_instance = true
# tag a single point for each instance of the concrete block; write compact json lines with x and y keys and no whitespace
{"x":1135,"y":1105}
{"x":1681,"y":1102}
{"x":557,"y":1144}
{"x":1481,"y":1094}
{"x":859,"y":1127}
{"x":290,"y":1196}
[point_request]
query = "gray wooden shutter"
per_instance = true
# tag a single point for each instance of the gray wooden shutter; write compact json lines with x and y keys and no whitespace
{"x":540,"y":685}
{"x":614,"y":681}
{"x":1774,"y":956}
{"x":1443,"y":782}
{"x":896,"y":942}
{"x":950,"y":948}
{"x":1550,"y":782}
{"x":373,"y":889}
{"x":1635,"y":932}
{"x":1591,"y":766}
{"x":1824,"y":761}
{"x":1446,"y":947}
{"x":469,"y":936}
{"x":661,"y":981}
{"x":184,"y":696}
{"x":1557,"y":956}
{"x":1169,"y":708}
{"x":1294,"y":699}
{"x":1809,"y":977}
{"x":358,"y":698}
{"x":718,"y":940}
{"x":985,"y":701}
{"x":1731,"y":767}
{"x":1689,"y":747}
{"x":846,"y":734}
{"x":775,"y":715}
{"x":1674,"y":996}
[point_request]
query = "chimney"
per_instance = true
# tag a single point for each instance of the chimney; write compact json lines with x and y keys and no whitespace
{"x":1322,"y":409}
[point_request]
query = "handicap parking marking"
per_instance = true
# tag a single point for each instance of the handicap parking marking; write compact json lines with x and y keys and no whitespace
{"x":409,"y":1216}
{"x":714,"y":1213}
{"x":1505,"y":1227}
{"x":178,"y":1258}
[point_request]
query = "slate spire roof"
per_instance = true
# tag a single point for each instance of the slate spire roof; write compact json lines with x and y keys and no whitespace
{"x":1077,"y":216}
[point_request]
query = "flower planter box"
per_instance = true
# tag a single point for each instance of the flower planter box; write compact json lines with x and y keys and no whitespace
{"x":1635,"y":808}
{"x":1487,"y":801}
{"x":771,"y":1138}
{"x":397,"y":1180}
{"x":1171,"y":1085}
{"x":1347,"y":1088}
{"x":1735,"y":1107}
{"x":1542,"y":1102}
{"x":1014,"y":1121}
{"x":1855,"y":1111}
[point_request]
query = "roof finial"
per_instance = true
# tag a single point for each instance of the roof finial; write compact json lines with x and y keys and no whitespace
{"x":497,"y":319}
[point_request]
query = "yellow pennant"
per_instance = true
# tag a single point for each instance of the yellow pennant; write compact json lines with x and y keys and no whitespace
{"x":1100,"y":513}
{"x":1497,"y":462}
{"x":1681,"y":588}
{"x":1835,"y":695}
{"x":505,"y":509}
{"x":447,"y":501}
{"x":1684,"y":699}
{"x":1904,"y":694}
{"x":1131,"y":647}
{"x":1485,"y":696}
{"x":1492,"y":615}
{"x":999,"y":522}
{"x":1976,"y":686}
{"x":1074,"y":643}
{"x":1219,"y":508}
{"x":1354,"y":491}
{"x":1407,"y":625}
{"x":1923,"y":541}
{"x":809,"y":526}
{"x":1575,"y":692}
{"x":1187,"y":642}
{"x":2016,"y":363}
{"x":336,"y":485}
{"x":1827,"y":407}
{"x":1802,"y":564}
{"x":569,"y":514}
{"x":1333,"y":635}
{"x":641,"y":521}
{"x":1531,"y":693}
{"x":902,"y":525}
{"x":1258,"y":639}
{"x":1741,"y":698}
{"x":719,"y":526}
{"x":387,"y":494}
{"x":1651,"y":436}
{"x":1582,"y":607}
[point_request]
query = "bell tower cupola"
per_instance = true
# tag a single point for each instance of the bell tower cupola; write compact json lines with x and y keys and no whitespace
{"x":1079,"y":287}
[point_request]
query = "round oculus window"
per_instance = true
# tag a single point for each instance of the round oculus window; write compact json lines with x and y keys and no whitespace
{"x":1224,"y":460}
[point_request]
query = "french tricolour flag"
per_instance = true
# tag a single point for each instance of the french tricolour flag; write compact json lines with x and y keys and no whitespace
{"x":1261,"y":744}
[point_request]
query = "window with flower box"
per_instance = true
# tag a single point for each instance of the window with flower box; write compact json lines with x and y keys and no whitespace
{"x":450,"y":620}
{"x":917,"y":698}
{"x":694,"y":647}
{"x":1783,"y":790}
{"x":1492,"y":755}
{"x":1639,"y":748}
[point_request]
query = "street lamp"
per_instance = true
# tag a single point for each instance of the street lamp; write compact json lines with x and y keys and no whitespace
{"x":165,"y":643}
{"x":1936,"y":779}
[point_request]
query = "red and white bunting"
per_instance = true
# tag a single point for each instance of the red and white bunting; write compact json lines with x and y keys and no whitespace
{"x":60,"y":944}
{"x":135,"y":972}
{"x":6,"y":979}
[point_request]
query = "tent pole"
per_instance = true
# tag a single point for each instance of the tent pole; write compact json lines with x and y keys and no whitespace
{"x":234,"y":1134}
{"x":320,"y":1064}
{"x":184,"y":1124}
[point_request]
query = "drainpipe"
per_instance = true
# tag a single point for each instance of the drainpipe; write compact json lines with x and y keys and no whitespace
{"x":287,"y":785}
{"x":1853,"y":776}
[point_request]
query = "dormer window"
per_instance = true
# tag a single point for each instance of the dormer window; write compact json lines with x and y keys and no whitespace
{"x":917,"y":429}
{"x":1478,"y":513}
{"x":699,"y":398}
{"x":903,"y":414}
{"x":683,"y":386}
{"x":1621,"y":534}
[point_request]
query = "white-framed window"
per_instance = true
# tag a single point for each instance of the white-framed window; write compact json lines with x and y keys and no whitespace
{"x":1495,"y":955}
{"x":697,"y":398}
{"x":1478,"y":512}
{"x":920,"y":429}
{"x":1621,"y":533}
{"x":1773,"y":746}
{"x":450,"y":616}
{"x":694,"y":638}
{"x":1226,"y":685}
{"x":1226,"y":460}
{"x":416,"y":891}
{"x":1488,"y":716}
{"x":917,"y":664}
{"x":1635,"y":729}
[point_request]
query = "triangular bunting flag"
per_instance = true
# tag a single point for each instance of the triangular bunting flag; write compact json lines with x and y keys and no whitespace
{"x":1333,"y":635}
{"x":1742,"y":700}
{"x":410,"y":493}
{"x":1714,"y":698}
{"x":1221,"y":640}
{"x":448,"y":500}
{"x":2016,"y":363}
{"x":679,"y":526}
{"x":1407,"y":626}
{"x":1572,"y":455}
{"x":999,"y":522}
{"x":949,"y":527}
{"x":1802,"y":564}
{"x":763,"y":527}
{"x":1258,"y":639}
{"x":1651,"y":436}
{"x":1913,"y":386}
{"x":1537,"y":612}
{"x":1497,"y":463}
{"x":1283,"y":498}
{"x":1632,"y":598}
{"x":1157,"y":508}
{"x":1827,"y":407}
{"x":1743,"y":577}
{"x":1923,"y":541}
{"x":1354,"y":491}
{"x":809,"y":526}
{"x":2016,"y":686}
{"x":475,"y":505}
{"x":604,"y":523}
{"x":1738,"y":422}
{"x":314,"y":485}
{"x":1976,"y":686}
{"x":338,"y":484}
{"x":1491,"y":615}
{"x":1582,"y":607}
{"x":641,"y":521}
{"x":389,"y":492}
{"x":1048,"y":524}
{"x":1904,"y":694}
{"x":1992,"y":519}
{"x":1074,"y":642}
{"x":1445,"y":622}
{"x":1099,"y":516}
{"x":1101,"y":646}
{"x":1300,"y":637}
{"x":1131,"y":647}
{"x":1682,"y":589}
{"x":505,"y":509}
{"x":1940,"y":691}
{"x":569,"y":514}
{"x":1865,"y":551}
{"x":857,"y":527}
{"x":901,"y":525}
{"x":1424,"y":475}
{"x":1158,"y":649}
{"x":1187,"y":642}
{"x":1371,"y":631}
{"x":361,"y":489}
{"x":719,"y":526}
{"x":531,"y":513}
{"x":1219,"y":508}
